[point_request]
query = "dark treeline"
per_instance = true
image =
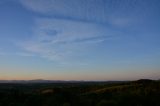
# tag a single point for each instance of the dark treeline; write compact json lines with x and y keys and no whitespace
{"x":134,"y":93}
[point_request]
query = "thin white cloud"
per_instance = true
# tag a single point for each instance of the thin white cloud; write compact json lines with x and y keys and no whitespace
{"x":73,"y":26}
{"x":101,"y":11}
{"x":58,"y":39}
{"x":77,"y":9}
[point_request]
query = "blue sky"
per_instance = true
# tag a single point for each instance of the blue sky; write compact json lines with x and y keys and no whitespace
{"x":79,"y":39}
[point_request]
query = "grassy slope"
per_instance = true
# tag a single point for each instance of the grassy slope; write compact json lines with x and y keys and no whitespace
{"x":137,"y":93}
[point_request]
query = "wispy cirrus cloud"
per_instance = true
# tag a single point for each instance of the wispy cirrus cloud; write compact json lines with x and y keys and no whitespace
{"x":58,"y":39}
{"x":70,"y":28}
{"x":98,"y":11}
{"x":71,"y":9}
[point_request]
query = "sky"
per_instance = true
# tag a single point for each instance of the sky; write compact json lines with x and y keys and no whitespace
{"x":79,"y":39}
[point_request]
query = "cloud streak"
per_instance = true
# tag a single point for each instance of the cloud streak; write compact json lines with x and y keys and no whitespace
{"x":98,"y":11}
{"x":58,"y":39}
{"x":69,"y":28}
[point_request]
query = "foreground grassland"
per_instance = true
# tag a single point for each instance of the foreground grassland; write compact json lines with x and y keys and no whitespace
{"x":133,"y":93}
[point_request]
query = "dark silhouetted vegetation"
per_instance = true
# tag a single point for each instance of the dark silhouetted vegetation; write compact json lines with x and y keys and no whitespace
{"x":133,"y":93}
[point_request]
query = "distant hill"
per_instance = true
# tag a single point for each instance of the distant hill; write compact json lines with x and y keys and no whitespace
{"x":55,"y":81}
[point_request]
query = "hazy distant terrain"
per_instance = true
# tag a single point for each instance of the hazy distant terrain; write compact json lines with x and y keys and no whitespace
{"x":133,"y":93}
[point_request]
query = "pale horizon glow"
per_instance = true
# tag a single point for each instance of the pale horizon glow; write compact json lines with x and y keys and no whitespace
{"x":79,"y":39}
